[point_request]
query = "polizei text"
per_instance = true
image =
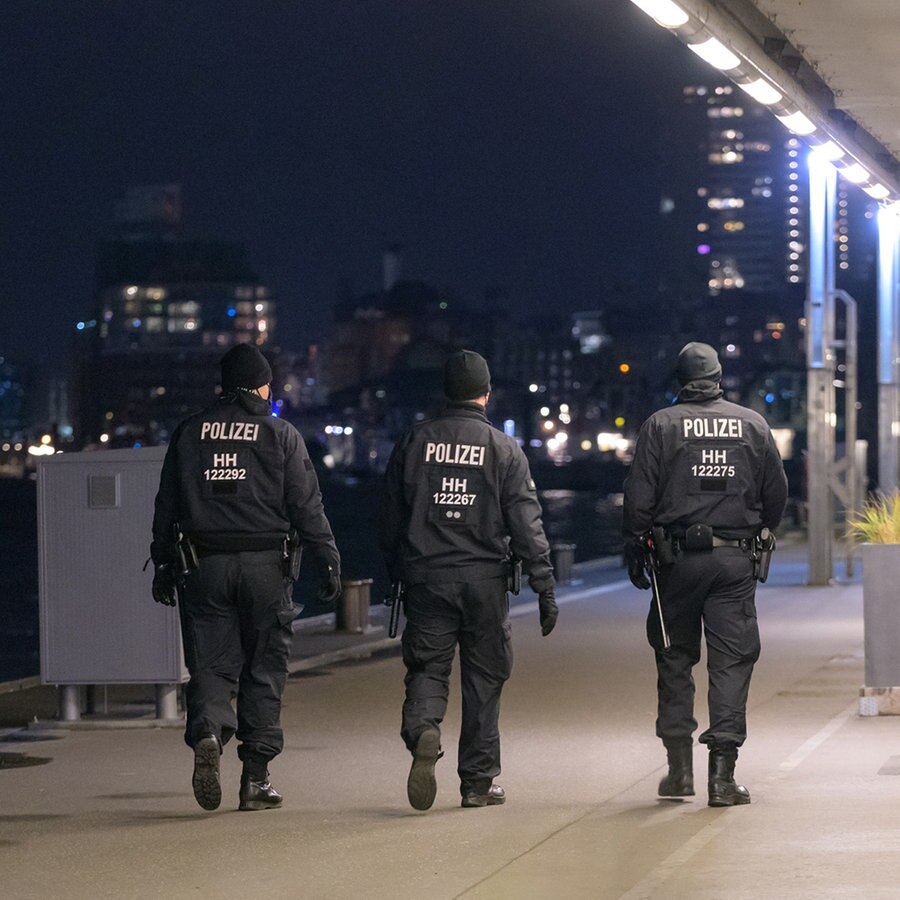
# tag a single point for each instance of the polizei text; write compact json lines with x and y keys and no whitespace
{"x":229,"y":431}
{"x":710,"y":427}
{"x":454,"y":454}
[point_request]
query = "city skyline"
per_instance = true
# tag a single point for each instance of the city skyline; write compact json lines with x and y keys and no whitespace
{"x":501,"y":148}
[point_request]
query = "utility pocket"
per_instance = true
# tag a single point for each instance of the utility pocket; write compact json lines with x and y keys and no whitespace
{"x":698,"y":538}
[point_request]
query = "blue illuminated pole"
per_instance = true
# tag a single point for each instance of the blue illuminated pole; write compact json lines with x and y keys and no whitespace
{"x":888,"y":352}
{"x":821,"y":414}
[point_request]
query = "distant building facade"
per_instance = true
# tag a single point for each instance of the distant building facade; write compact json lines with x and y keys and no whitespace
{"x":165,"y":309}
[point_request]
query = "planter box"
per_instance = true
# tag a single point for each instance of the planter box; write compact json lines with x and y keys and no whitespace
{"x":881,"y":613}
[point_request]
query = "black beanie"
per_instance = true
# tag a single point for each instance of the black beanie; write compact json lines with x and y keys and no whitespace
{"x":243,"y":366}
{"x":466,"y":376}
{"x":698,"y":362}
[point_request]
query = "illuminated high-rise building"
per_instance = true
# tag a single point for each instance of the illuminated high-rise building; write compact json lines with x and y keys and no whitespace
{"x":165,"y":309}
{"x":734,"y":210}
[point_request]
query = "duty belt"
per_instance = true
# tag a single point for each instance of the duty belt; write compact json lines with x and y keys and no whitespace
{"x":741,"y":544}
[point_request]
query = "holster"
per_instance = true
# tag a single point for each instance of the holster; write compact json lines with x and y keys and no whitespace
{"x":186,"y":560}
{"x":662,"y":546}
{"x":763,"y":546}
{"x":513,"y":575}
{"x":291,"y":555}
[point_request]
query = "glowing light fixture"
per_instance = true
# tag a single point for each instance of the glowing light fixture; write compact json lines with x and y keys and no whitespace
{"x":797,"y":122}
{"x":855,"y":173}
{"x":716,"y":54}
{"x":877,"y":192}
{"x":829,"y":150}
{"x":664,"y":12}
{"x":762,"y":91}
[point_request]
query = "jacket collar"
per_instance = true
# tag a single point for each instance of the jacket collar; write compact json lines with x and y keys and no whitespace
{"x":251,"y":403}
{"x":465,"y":408}
{"x":698,"y":391}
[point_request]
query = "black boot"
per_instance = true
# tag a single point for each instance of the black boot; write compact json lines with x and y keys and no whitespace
{"x":256,"y":789}
{"x":722,"y":788}
{"x":421,"y":785}
{"x":205,"y":781}
{"x":680,"y":780}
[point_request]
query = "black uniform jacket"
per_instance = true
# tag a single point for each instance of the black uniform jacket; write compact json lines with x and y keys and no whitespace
{"x":705,"y":461}
{"x":236,"y":478}
{"x":458,"y":496}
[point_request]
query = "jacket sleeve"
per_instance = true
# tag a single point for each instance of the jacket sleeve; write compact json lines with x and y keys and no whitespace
{"x":166,"y":506}
{"x":304,"y":501}
{"x":522,"y":515}
{"x":393,"y":515}
{"x":774,"y":485}
{"x":641,"y":483}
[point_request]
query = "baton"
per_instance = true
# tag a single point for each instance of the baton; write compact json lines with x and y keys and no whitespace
{"x":398,"y":589}
{"x":658,"y":601}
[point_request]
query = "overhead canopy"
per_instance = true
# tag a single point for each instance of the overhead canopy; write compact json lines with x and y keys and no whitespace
{"x":829,"y":69}
{"x":854,"y":47}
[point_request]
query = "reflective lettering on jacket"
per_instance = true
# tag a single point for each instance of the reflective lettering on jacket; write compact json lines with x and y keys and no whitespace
{"x":713,"y":427}
{"x":454,"y":454}
{"x":229,"y":431}
{"x":454,"y":487}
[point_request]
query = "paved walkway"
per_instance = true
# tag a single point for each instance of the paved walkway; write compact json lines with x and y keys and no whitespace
{"x":107,"y":812}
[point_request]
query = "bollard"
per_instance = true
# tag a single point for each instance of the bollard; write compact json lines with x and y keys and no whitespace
{"x":562,"y":558}
{"x":352,"y":613}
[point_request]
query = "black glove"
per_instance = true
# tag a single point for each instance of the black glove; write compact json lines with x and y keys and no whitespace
{"x":329,"y":583}
{"x":548,"y":610}
{"x":636,"y":559}
{"x":165,"y":587}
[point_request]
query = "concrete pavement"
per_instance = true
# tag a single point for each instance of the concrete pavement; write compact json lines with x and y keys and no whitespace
{"x":108,"y":813}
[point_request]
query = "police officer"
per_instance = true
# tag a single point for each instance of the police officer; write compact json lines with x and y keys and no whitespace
{"x":239,"y":484}
{"x":708,"y":472}
{"x":458,"y":500}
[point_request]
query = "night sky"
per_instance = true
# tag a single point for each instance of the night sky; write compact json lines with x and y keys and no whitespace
{"x":501,"y":143}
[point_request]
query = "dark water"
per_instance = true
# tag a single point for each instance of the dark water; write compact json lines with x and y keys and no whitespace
{"x":588,"y":519}
{"x":18,"y":579}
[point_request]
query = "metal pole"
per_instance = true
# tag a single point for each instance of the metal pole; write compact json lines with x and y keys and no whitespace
{"x":70,"y":702}
{"x":166,"y":701}
{"x":888,"y":425}
{"x":820,"y":412}
{"x":848,"y":490}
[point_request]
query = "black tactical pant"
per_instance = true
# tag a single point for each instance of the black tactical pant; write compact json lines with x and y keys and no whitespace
{"x":236,"y":628}
{"x":713,"y":592}
{"x":474,"y":615}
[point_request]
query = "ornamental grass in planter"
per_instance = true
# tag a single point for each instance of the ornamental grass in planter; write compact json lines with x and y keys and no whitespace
{"x":879,"y":521}
{"x":878,"y":528}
